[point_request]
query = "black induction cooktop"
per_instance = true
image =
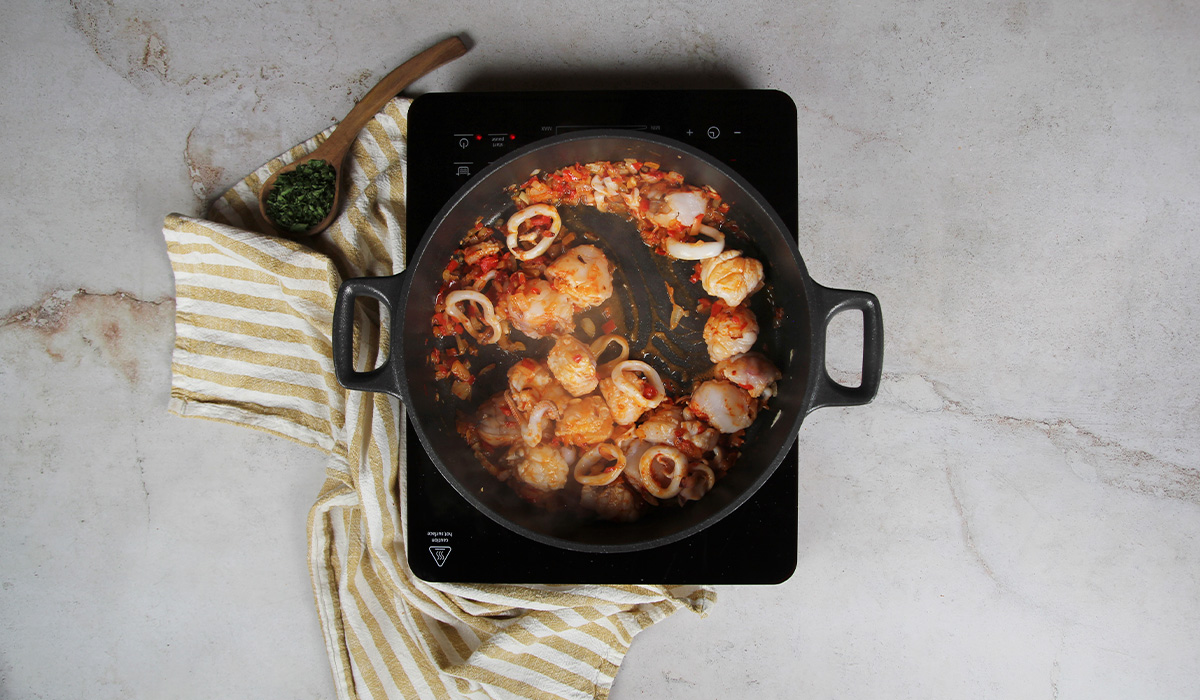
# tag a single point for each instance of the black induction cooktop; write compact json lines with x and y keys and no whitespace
{"x":453,"y":136}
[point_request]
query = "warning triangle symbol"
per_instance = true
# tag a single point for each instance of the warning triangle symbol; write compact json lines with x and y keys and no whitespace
{"x":439,"y":554}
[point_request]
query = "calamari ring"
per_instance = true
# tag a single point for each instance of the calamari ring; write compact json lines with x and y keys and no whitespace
{"x":646,"y":467}
{"x":694,"y":489}
{"x":460,"y":296}
{"x":515,"y":221}
{"x":606,"y":475}
{"x":699,"y":250}
{"x":627,"y":386}
{"x":600,"y":345}
{"x":543,"y":412}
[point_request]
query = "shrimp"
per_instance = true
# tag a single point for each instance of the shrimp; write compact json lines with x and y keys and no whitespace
{"x":573,"y":365}
{"x":628,"y":395}
{"x":585,"y":421}
{"x":615,"y":501}
{"x":725,"y":405}
{"x":731,"y":276}
{"x":752,"y":371}
{"x":605,"y":475}
{"x":545,"y":467}
{"x":539,"y":234}
{"x":584,"y":274}
{"x":660,"y":425}
{"x":462,"y":296}
{"x":730,"y":330}
{"x":530,"y":382}
{"x":529,"y":374}
{"x":695,"y":437}
{"x":495,"y":424}
{"x":535,"y":309}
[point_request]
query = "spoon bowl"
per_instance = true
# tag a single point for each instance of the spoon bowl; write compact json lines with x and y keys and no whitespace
{"x":336,"y":148}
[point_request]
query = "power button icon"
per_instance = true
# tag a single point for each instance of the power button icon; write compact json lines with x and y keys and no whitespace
{"x":713,"y":132}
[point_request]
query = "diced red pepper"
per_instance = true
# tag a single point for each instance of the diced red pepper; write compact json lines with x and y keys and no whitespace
{"x":609,"y":326}
{"x":488,"y":263}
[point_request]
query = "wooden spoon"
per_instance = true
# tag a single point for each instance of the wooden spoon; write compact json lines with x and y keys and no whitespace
{"x":336,"y":147}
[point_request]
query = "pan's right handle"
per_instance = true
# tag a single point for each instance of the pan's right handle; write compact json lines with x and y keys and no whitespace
{"x":387,"y":291}
{"x":834,"y":302}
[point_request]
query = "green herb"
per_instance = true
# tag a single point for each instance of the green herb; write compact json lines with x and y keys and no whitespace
{"x":303,"y":197}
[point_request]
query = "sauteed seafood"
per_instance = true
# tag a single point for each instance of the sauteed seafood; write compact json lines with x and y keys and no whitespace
{"x":587,"y":424}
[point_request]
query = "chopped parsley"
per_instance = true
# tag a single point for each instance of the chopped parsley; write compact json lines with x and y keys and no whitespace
{"x":303,"y":197}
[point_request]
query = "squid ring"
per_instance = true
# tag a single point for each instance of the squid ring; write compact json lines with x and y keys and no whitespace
{"x":515,"y":221}
{"x":695,"y":489}
{"x":606,"y":475}
{"x":700,"y":250}
{"x":531,"y":432}
{"x":481,"y":282}
{"x":600,"y":345}
{"x":646,"y":470}
{"x":626,"y":385}
{"x":460,"y":296}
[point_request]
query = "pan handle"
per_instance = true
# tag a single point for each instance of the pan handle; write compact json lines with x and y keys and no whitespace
{"x":833,"y":302}
{"x":387,"y":291}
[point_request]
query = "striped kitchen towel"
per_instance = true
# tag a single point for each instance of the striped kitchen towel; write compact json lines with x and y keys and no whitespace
{"x":253,"y":322}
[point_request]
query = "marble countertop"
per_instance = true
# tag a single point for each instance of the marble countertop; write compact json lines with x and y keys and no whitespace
{"x":1017,"y":515}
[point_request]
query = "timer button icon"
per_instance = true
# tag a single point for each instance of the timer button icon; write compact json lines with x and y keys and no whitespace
{"x":713,"y":132}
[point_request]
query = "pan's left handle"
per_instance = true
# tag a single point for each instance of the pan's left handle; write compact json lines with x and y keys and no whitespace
{"x":387,"y":291}
{"x":832,"y":303}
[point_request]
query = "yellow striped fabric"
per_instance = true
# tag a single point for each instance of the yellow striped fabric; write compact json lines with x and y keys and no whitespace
{"x":253,"y":322}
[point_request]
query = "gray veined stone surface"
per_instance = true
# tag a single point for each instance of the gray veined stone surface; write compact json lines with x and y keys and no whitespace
{"x":1017,"y":515}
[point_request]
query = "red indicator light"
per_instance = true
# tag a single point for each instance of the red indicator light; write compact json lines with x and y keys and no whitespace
{"x":478,"y":137}
{"x":512,"y":137}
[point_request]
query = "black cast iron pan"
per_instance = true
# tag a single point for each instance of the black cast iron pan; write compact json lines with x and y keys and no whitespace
{"x":793,"y":313}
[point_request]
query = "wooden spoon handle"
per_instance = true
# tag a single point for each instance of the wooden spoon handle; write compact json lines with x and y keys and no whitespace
{"x":441,"y":53}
